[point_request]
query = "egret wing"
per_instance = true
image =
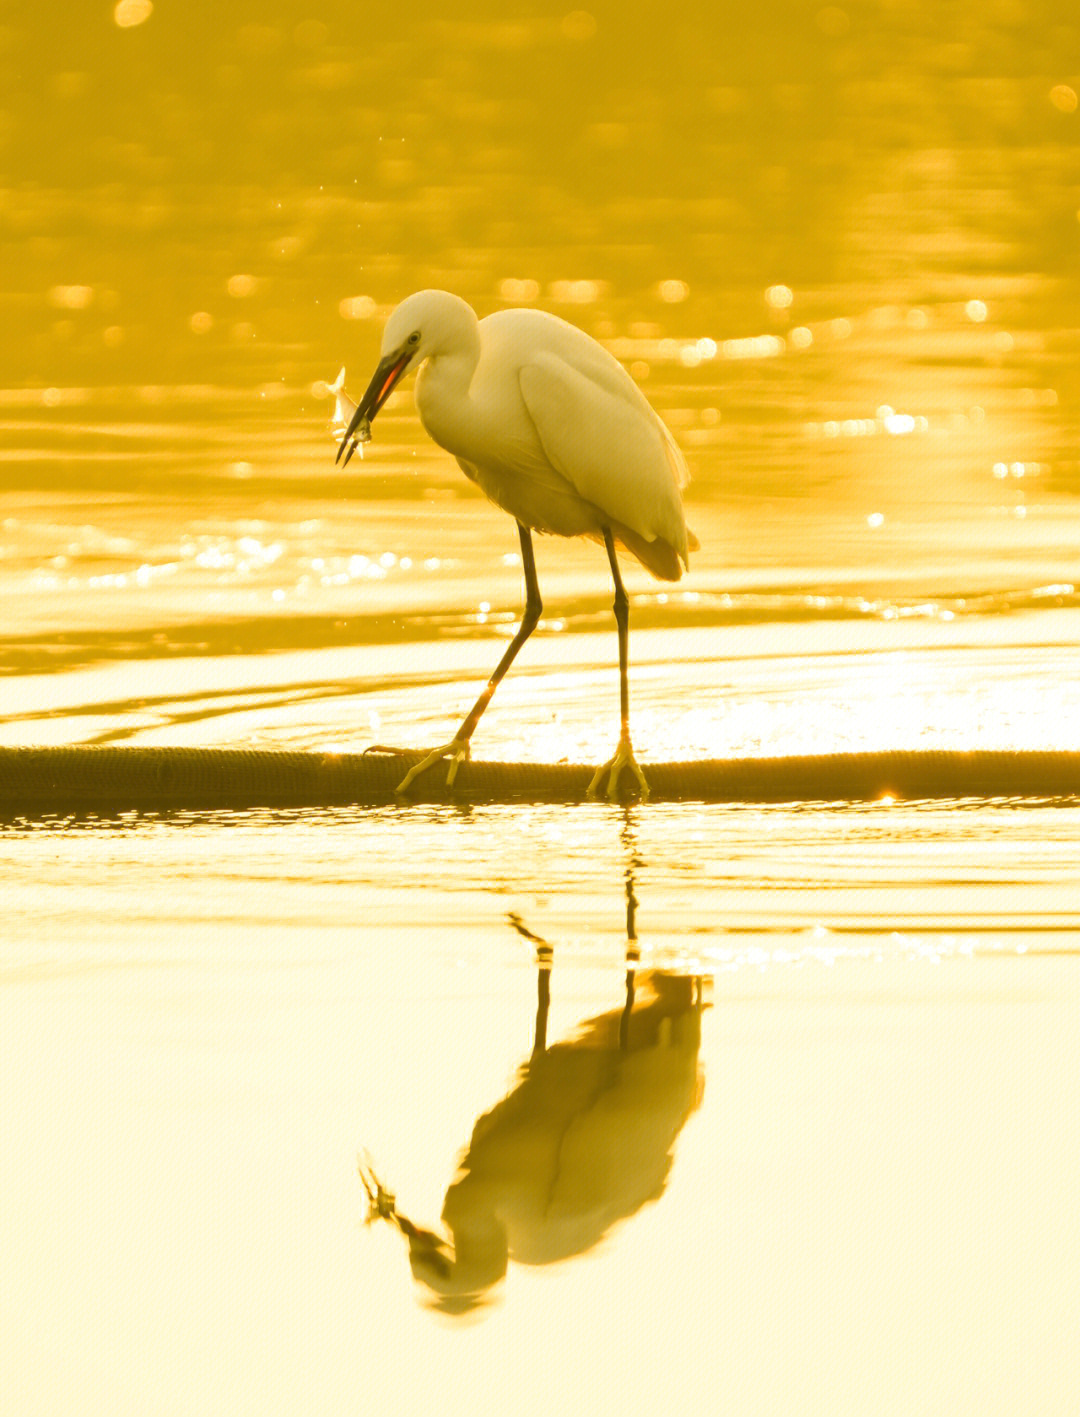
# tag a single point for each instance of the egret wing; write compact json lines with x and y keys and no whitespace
{"x":607,"y":442}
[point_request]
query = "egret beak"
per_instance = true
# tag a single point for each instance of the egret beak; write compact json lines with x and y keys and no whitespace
{"x":386,"y":375}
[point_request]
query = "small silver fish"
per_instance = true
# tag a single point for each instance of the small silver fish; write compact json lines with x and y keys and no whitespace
{"x":341,"y":417}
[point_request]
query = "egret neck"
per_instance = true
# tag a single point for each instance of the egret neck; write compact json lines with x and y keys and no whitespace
{"x":443,"y":397}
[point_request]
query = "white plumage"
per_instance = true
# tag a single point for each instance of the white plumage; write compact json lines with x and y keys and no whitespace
{"x":549,"y":425}
{"x":553,"y":430}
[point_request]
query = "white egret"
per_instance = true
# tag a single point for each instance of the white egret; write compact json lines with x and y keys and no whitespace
{"x":552,"y":429}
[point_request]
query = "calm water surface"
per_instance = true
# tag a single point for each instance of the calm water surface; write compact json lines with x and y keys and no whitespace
{"x":859,"y":1150}
{"x":826,"y":1162}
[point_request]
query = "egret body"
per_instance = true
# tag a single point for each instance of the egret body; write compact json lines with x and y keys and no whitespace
{"x":552,"y":429}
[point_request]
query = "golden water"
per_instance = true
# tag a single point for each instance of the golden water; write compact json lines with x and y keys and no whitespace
{"x":837,"y":247}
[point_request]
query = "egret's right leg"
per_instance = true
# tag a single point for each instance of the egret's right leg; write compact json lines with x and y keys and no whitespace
{"x":458,"y":749}
{"x":624,"y":753}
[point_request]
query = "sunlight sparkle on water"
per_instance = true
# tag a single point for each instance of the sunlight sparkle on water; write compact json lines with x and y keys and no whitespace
{"x":129,"y":13}
{"x":240,"y":287}
{"x":886,"y":420}
{"x":71,"y":297}
{"x":357,"y":307}
{"x":1017,"y":469}
{"x":576,"y":292}
{"x":897,"y":423}
{"x":673,"y":292}
{"x":754,"y":347}
{"x":519,"y":292}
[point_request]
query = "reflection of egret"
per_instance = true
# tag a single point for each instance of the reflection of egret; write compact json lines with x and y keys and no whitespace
{"x":553,"y":430}
{"x":584,"y":1140}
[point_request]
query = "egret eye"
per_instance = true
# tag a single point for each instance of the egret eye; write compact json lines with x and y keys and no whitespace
{"x":414,"y":338}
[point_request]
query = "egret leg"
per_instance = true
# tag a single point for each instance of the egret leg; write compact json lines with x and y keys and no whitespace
{"x":458,"y":749}
{"x":624,"y":753}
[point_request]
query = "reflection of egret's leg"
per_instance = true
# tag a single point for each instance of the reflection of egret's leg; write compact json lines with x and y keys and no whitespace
{"x":633,"y":953}
{"x":544,"y":956}
{"x":543,"y":1003}
{"x":632,"y":864}
{"x":632,"y":957}
{"x":631,"y":907}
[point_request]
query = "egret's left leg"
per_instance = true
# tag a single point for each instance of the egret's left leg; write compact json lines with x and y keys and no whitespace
{"x":457,"y":750}
{"x":624,"y":753}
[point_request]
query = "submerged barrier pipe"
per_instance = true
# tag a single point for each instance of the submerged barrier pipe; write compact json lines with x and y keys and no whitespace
{"x":36,"y":782}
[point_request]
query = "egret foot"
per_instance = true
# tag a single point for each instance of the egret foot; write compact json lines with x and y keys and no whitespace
{"x":457,"y":752}
{"x":624,"y":758}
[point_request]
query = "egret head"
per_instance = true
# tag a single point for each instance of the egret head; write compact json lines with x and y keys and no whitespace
{"x":459,"y":1277}
{"x":428,"y":323}
{"x":424,"y":325}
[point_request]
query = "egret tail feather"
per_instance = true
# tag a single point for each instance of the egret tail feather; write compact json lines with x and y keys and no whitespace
{"x":657,"y":556}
